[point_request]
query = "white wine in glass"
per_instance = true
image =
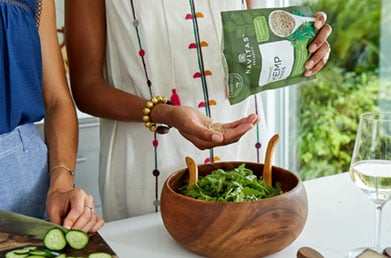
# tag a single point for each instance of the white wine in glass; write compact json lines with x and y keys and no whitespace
{"x":370,"y":167}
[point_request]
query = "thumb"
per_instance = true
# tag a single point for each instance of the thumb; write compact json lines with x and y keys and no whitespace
{"x":217,"y":137}
{"x":54,"y":216}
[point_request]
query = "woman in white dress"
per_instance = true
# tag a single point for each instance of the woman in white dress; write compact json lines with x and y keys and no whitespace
{"x":124,"y":52}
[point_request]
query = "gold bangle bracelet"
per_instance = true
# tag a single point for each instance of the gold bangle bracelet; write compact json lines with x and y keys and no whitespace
{"x":148,"y":109}
{"x":71,"y":172}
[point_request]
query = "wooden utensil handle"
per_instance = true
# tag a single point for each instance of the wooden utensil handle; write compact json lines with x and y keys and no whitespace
{"x":193,"y":171}
{"x":267,"y":170}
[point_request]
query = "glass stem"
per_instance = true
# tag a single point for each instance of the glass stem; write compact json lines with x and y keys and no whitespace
{"x":379,"y":209}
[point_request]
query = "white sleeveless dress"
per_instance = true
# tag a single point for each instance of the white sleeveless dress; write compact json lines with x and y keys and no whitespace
{"x":127,"y":158}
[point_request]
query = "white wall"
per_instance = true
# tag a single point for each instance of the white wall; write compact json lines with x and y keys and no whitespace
{"x":60,"y":16}
{"x":270,"y":3}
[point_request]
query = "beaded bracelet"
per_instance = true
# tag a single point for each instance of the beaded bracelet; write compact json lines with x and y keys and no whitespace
{"x":147,"y":111}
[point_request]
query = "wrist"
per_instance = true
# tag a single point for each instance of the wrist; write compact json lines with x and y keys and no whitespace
{"x":72,"y":172}
{"x":161,"y":114}
{"x":61,"y":178}
{"x":155,"y":113}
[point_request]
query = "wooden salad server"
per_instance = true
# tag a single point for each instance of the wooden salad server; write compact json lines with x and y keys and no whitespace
{"x":267,"y":168}
{"x":193,"y":171}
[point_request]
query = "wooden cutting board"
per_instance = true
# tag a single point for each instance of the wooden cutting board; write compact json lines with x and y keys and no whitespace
{"x":96,"y":244}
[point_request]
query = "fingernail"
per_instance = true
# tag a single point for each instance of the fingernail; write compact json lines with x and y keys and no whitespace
{"x":217,"y":137}
{"x":307,"y":73}
{"x":312,"y":48}
{"x":309,"y":64}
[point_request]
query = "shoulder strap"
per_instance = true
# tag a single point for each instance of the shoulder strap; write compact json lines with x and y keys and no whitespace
{"x":38,"y":9}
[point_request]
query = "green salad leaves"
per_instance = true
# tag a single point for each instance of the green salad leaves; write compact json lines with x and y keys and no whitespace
{"x":238,"y":185}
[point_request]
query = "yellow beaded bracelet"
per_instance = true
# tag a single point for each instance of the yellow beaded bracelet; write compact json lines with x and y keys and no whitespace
{"x":147,"y":111}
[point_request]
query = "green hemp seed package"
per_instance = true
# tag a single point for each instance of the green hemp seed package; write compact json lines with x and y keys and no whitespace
{"x":265,"y":48}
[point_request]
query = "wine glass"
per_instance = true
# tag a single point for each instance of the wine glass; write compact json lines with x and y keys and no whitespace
{"x":370,"y":167}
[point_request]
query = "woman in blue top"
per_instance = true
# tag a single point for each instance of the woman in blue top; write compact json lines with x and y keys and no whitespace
{"x":35,"y":175}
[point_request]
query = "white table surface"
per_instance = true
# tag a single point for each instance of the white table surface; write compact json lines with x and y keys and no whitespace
{"x":340,"y":218}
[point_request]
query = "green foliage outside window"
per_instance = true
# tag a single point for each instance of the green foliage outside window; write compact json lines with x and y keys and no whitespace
{"x":348,"y":86}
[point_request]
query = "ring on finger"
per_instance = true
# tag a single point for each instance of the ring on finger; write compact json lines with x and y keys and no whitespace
{"x":89,"y":207}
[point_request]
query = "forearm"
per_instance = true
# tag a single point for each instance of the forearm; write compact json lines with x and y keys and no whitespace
{"x":61,"y":137}
{"x":60,"y":115}
{"x":100,"y":99}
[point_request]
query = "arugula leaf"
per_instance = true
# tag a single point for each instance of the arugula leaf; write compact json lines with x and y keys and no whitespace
{"x":238,"y":185}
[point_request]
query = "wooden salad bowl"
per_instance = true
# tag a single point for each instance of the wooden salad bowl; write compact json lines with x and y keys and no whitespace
{"x":246,"y":229}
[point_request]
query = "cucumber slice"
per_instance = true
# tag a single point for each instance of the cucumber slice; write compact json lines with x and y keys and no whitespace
{"x":12,"y":254}
{"x":77,"y":239}
{"x":24,"y":250}
{"x":99,"y":255}
{"x":31,"y":251}
{"x":55,"y":239}
{"x":44,"y":252}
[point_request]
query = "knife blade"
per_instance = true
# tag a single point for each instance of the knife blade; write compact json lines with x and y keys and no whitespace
{"x":18,"y":224}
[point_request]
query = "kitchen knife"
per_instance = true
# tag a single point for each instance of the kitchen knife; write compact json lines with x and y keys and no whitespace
{"x":18,"y":224}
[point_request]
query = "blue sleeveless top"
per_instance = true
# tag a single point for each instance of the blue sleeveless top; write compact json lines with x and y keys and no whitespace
{"x":21,"y":98}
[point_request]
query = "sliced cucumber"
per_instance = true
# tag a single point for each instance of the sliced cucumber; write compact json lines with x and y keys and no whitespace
{"x":32,"y":251}
{"x":24,"y":250}
{"x":99,"y":255}
{"x":77,"y":239}
{"x":44,"y":252}
{"x":12,"y":254}
{"x":55,"y":239}
{"x":20,"y":253}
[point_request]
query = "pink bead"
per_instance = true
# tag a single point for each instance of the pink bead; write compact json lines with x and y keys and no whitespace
{"x":155,"y":143}
{"x":201,"y":104}
{"x":192,"y":45}
{"x":141,"y":52}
